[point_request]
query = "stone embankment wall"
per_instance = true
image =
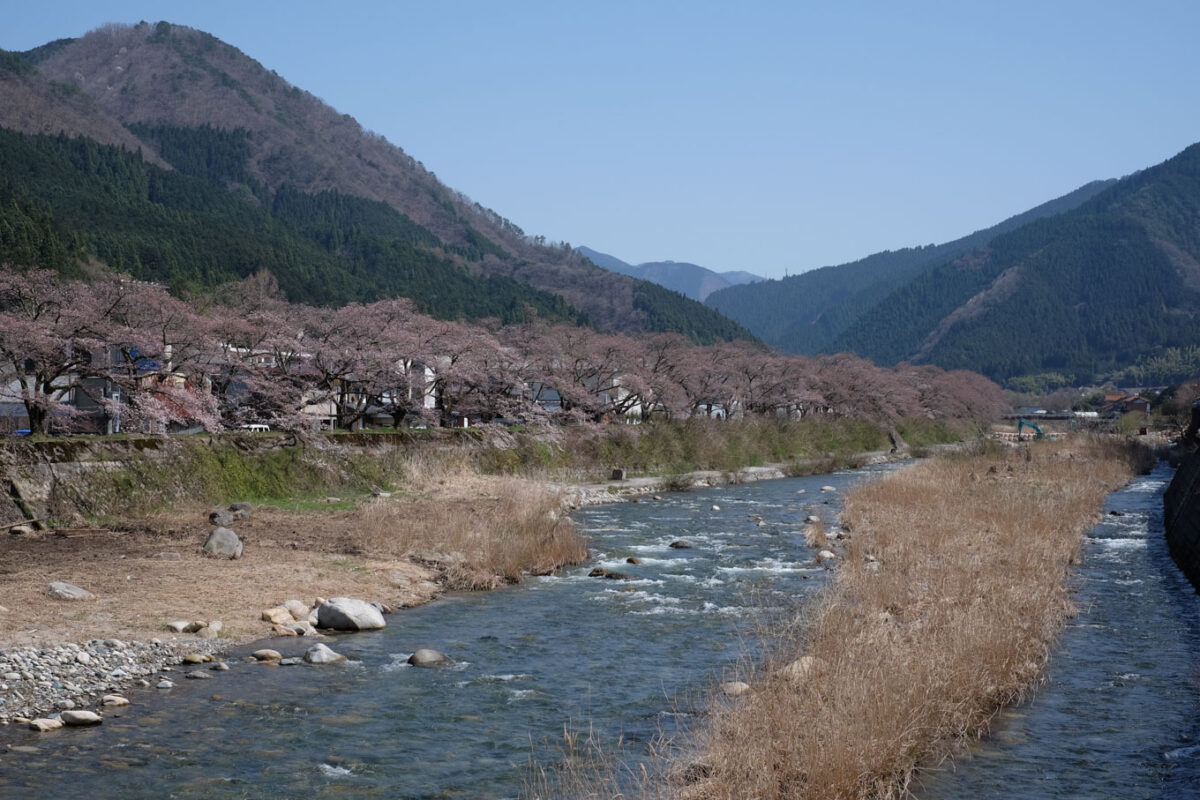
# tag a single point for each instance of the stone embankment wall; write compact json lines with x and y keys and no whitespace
{"x":1181,"y":517}
{"x":40,"y":479}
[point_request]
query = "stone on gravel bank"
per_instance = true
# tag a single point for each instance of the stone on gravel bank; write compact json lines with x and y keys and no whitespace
{"x":223,"y":543}
{"x":349,"y":614}
{"x":278,"y":616}
{"x":298,"y":609}
{"x":61,"y":590}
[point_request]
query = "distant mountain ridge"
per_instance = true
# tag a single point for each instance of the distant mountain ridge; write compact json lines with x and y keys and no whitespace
{"x":688,"y":279}
{"x":1114,"y":281}
{"x":156,"y":88}
{"x":806,"y":313}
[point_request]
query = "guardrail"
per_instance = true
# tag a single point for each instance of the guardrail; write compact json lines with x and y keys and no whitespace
{"x":1009,"y":436}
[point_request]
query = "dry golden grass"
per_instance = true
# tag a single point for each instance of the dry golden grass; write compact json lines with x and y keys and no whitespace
{"x":498,"y":527}
{"x":905,"y":657}
{"x":480,"y":531}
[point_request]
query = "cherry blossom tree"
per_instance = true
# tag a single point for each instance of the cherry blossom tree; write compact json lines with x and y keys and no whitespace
{"x":47,"y":338}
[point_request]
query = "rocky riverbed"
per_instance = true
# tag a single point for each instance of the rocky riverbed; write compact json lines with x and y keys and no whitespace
{"x":37,"y":681}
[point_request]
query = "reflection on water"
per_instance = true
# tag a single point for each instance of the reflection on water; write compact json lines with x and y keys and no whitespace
{"x":1120,"y":715}
{"x":623,"y":658}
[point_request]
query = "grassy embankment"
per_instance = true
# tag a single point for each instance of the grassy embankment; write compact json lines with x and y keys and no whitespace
{"x":955,"y":585}
{"x":475,"y":502}
{"x":664,"y":449}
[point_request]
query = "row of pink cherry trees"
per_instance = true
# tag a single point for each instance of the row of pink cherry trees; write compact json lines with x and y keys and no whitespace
{"x":135,"y":351}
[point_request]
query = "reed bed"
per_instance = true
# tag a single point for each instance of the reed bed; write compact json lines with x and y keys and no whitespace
{"x":480,"y":531}
{"x":952,"y":590}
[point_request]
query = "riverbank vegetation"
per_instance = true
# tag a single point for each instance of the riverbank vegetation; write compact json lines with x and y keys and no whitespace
{"x":953,"y":590}
{"x":470,"y":509}
{"x":143,"y":476}
{"x":478,"y":531}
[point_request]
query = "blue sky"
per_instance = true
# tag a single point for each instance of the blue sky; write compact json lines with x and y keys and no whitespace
{"x":766,"y":136}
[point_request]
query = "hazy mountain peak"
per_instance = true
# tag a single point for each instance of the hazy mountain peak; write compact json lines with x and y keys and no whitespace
{"x":688,"y":279}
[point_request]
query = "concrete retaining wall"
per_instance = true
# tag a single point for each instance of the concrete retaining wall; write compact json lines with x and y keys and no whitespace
{"x":1181,"y":516}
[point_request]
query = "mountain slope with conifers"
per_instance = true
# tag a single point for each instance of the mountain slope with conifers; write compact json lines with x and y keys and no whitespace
{"x":1079,"y":295}
{"x":806,"y":313}
{"x":244,"y":170}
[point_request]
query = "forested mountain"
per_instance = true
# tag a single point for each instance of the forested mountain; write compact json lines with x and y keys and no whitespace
{"x":805,"y":313}
{"x":1079,"y":295}
{"x":688,"y":279}
{"x":33,"y":104}
{"x":239,"y":170}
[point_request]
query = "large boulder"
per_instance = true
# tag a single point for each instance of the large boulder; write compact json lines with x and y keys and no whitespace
{"x":349,"y":614}
{"x":425,"y":657}
{"x":61,"y":590}
{"x":223,"y":543}
{"x":320,"y":654}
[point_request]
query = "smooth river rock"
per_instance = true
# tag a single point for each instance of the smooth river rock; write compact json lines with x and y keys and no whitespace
{"x":320,"y":654}
{"x":349,"y":614}
{"x":79,"y":718}
{"x":45,"y":725}
{"x":298,"y":609}
{"x":278,"y":615}
{"x":425,"y":657}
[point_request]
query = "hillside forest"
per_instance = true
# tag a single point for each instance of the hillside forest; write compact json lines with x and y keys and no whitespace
{"x":172,"y":156}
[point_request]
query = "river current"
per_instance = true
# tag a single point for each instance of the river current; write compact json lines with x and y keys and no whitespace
{"x":1119,"y":716}
{"x":622,"y":659}
{"x":628,"y":660}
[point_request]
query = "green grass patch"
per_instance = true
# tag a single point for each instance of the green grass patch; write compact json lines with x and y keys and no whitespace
{"x":218,"y":472}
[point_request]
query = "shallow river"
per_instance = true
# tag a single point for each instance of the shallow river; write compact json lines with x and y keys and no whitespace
{"x":624,"y":659}
{"x":1120,"y":715}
